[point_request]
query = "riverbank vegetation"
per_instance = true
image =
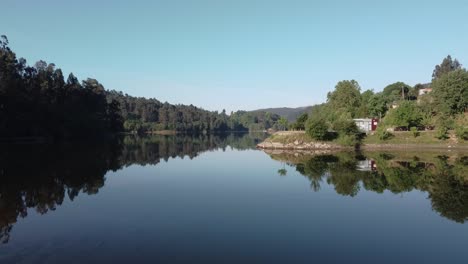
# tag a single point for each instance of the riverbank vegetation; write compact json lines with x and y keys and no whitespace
{"x":440,"y":106}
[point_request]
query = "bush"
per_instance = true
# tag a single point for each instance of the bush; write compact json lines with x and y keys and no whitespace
{"x":415,"y":131}
{"x":347,"y":140}
{"x":461,"y":132}
{"x":345,"y":127}
{"x":442,"y":133}
{"x":317,"y":129}
{"x":382,"y":133}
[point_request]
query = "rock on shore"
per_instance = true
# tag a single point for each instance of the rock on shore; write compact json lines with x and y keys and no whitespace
{"x":295,"y":140}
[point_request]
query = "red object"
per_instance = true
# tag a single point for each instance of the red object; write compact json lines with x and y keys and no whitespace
{"x":374,"y":124}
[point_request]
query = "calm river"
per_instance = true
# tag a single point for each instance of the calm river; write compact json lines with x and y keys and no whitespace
{"x":217,"y":199}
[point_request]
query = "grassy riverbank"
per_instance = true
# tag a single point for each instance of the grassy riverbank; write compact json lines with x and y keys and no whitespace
{"x":426,"y":139}
{"x":401,"y":139}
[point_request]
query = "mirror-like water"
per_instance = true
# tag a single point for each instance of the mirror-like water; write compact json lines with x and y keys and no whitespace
{"x":216,"y":199}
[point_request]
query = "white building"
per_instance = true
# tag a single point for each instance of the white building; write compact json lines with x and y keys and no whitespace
{"x":424,"y":91}
{"x":366,"y":124}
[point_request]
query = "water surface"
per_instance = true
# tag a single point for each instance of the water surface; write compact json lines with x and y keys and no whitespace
{"x":216,"y":199}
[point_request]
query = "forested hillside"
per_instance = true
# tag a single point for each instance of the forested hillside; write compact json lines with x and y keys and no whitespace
{"x":291,"y":114}
{"x":150,"y":115}
{"x":37,"y":101}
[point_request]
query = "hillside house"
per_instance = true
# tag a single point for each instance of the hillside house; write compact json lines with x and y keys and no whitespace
{"x":424,"y":91}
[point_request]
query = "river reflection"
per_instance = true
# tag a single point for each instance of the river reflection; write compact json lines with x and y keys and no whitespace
{"x":216,"y":199}
{"x":443,"y":177}
{"x":40,"y":177}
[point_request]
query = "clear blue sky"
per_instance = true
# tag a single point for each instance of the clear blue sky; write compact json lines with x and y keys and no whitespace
{"x":242,"y":54}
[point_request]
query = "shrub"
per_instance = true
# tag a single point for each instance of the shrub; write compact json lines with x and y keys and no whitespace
{"x":347,"y":140}
{"x":383,"y":134}
{"x":461,"y":132}
{"x":415,"y":131}
{"x":317,"y":129}
{"x":345,"y":126}
{"x":442,"y":133}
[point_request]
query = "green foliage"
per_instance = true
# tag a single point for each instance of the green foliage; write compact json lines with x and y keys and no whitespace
{"x":442,"y":133}
{"x":377,"y":106}
{"x":348,"y":132}
{"x":414,"y":131}
{"x":450,"y":92}
{"x":447,"y":65}
{"x":283,"y":123}
{"x":445,"y":121}
{"x":345,"y":126}
{"x":427,"y":120}
{"x":396,"y":91}
{"x":37,"y":102}
{"x":317,"y":128}
{"x":382,"y":133}
{"x":347,"y":140}
{"x":461,"y":132}
{"x":365,"y":104}
{"x":346,"y":97}
{"x":461,"y":127}
{"x":407,"y":114}
{"x":188,"y":118}
{"x":300,"y":122}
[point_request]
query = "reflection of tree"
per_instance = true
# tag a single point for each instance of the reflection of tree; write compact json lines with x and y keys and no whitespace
{"x":43,"y":176}
{"x":282,"y":172}
{"x":449,"y":191}
{"x":443,"y":178}
{"x":153,"y":149}
{"x":315,"y":168}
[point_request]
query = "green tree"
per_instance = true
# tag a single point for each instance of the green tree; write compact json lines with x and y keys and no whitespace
{"x":300,"y":122}
{"x":364,"y":107}
{"x":450,"y":92}
{"x":346,"y":97}
{"x":283,"y":123}
{"x":396,"y":91}
{"x":317,"y":128}
{"x":447,"y":65}
{"x":377,"y":105}
{"x":407,"y":114}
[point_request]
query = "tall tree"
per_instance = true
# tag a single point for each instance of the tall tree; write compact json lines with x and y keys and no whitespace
{"x":445,"y":67}
{"x":396,"y":91}
{"x":300,"y":122}
{"x":450,"y":92}
{"x":346,"y":97}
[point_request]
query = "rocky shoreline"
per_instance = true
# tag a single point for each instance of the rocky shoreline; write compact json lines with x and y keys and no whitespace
{"x":299,"y":145}
{"x":295,"y":140}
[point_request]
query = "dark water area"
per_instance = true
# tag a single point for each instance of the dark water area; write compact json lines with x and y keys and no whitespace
{"x":217,"y":199}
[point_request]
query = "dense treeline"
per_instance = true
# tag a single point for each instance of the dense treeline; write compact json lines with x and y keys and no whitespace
{"x":37,"y":101}
{"x":150,"y":115}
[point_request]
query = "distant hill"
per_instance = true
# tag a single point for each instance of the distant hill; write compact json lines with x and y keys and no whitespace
{"x":290,"y":113}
